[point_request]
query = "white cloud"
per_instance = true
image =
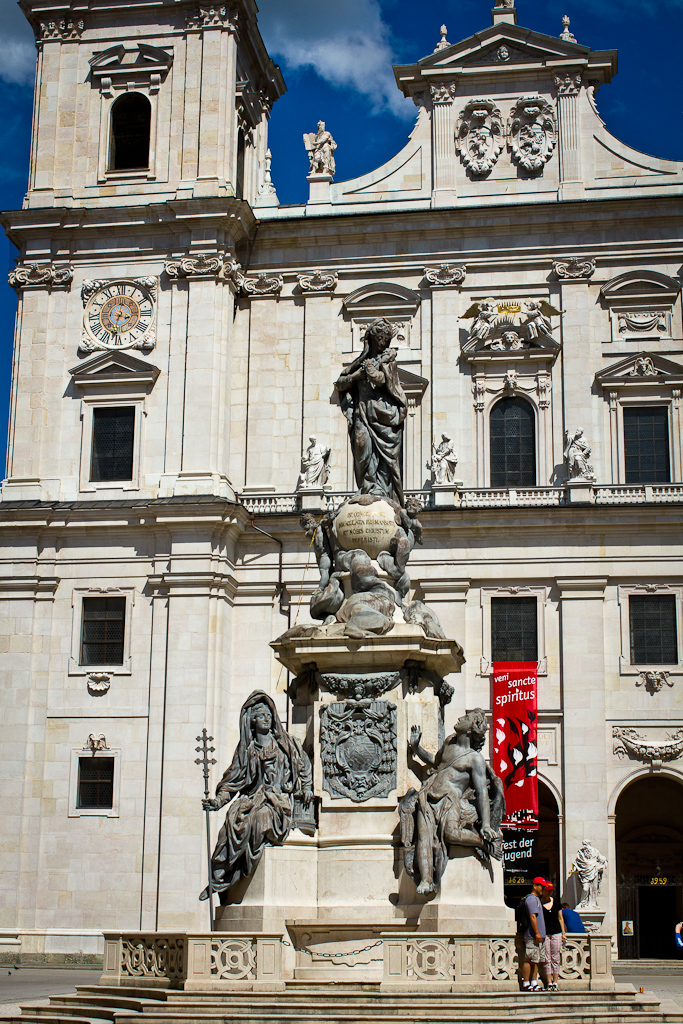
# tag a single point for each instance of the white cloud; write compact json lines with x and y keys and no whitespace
{"x":18,"y":52}
{"x":347,"y":44}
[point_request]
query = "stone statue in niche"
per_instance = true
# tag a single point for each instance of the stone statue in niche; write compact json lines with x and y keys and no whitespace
{"x":358,"y":749}
{"x":320,"y":146}
{"x":268,"y":789}
{"x":315,"y":468}
{"x":479,"y":135}
{"x":444,"y":461}
{"x":375,"y":406}
{"x":532,"y":132}
{"x":577,"y":452}
{"x":461,"y":803}
{"x":590,"y":865}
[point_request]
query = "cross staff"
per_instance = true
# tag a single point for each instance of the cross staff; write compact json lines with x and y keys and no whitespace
{"x":204,"y":749}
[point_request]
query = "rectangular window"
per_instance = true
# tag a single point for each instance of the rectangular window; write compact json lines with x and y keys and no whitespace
{"x":102,"y":630}
{"x":113,"y":433}
{"x":95,"y":782}
{"x":514,"y":632}
{"x":652,"y":622}
{"x":646,"y":446}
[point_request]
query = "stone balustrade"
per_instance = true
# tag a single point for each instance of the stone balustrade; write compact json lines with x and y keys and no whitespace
{"x":484,"y":497}
{"x":220,"y":961}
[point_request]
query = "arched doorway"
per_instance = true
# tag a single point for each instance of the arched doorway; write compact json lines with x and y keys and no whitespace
{"x":546,"y":851}
{"x":649,"y":845}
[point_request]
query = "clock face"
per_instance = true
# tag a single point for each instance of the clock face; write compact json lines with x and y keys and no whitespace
{"x":120,"y":314}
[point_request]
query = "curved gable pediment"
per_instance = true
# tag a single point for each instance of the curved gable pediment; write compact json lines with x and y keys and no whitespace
{"x":382,"y":298}
{"x":641,"y":284}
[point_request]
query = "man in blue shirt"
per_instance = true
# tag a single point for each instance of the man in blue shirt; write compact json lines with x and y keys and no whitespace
{"x":572,"y":920}
{"x":534,"y":937}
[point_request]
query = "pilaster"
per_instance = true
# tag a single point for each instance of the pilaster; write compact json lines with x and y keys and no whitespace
{"x":568,"y":93}
{"x":444,"y":193}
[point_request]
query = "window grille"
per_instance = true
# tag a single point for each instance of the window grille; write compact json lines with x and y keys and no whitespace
{"x":102,"y":630}
{"x":652,"y":621}
{"x":95,"y":782}
{"x":514,"y":629}
{"x":646,"y":446}
{"x":113,"y":433}
{"x":513,"y":444}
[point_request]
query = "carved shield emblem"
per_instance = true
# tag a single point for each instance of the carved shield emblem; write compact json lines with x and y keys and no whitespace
{"x":532,"y":132}
{"x":358,"y":749}
{"x":479,"y":135}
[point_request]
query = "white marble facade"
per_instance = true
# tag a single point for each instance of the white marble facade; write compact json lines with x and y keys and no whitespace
{"x":237,"y":376}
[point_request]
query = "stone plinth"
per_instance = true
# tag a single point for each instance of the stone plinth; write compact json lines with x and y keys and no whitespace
{"x":404,"y":643}
{"x":319,"y":188}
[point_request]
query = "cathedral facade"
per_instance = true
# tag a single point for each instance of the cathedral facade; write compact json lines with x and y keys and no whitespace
{"x":173,"y":413}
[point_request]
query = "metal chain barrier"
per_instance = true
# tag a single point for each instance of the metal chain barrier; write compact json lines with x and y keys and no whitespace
{"x":330,"y":956}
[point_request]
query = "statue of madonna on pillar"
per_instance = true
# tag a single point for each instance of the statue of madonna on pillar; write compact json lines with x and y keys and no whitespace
{"x":375,"y":406}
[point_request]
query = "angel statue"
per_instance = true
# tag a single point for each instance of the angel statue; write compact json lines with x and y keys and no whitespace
{"x":485,"y":314}
{"x":461,"y":803}
{"x":270,"y":774}
{"x":577,"y":452}
{"x":537,"y":321}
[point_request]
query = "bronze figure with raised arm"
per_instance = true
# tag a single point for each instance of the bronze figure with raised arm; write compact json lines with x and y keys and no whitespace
{"x":461,"y":803}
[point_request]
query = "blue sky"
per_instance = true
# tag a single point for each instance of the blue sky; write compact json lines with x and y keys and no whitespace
{"x":336,"y":59}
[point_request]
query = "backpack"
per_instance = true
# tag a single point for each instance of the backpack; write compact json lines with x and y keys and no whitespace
{"x":522,"y":916}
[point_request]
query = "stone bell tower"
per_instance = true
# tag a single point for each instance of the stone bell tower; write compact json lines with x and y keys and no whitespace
{"x":149,"y":146}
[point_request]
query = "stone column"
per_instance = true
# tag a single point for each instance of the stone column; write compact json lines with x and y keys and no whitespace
{"x":583,"y":701}
{"x":568,"y":90}
{"x":443,"y":144}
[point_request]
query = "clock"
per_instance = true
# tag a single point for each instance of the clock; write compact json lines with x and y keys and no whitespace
{"x":119,"y":314}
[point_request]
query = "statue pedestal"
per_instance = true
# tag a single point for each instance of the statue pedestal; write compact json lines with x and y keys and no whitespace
{"x":580,"y":492}
{"x":319,"y":188}
{"x":311,"y":499}
{"x":446,"y":495}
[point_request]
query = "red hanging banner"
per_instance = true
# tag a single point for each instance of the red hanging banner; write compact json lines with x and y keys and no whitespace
{"x":513,"y":739}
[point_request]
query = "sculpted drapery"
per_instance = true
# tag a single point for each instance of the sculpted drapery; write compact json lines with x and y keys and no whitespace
{"x":268,"y":768}
{"x":375,"y":406}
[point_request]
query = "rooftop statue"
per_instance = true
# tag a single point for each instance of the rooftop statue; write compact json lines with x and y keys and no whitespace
{"x":315,"y":467}
{"x":270,"y":772}
{"x":444,"y":461}
{"x":375,"y":406}
{"x":320,"y":146}
{"x":577,"y":452}
{"x":461,"y":803}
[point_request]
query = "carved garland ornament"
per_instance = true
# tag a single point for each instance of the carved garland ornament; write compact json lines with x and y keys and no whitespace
{"x":650,"y":322}
{"x":532,"y":132}
{"x":629,"y":743}
{"x":36,"y":275}
{"x":479,"y":135}
{"x":446,"y":274}
{"x":575,"y":267}
{"x":358,"y":749}
{"x":318,"y":281}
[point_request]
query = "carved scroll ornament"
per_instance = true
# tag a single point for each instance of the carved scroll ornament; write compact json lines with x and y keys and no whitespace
{"x":263,"y":285}
{"x":532,"y":132}
{"x":446,"y":274}
{"x":479,"y":135}
{"x":36,"y":275}
{"x":318,"y":281}
{"x":575,"y":267}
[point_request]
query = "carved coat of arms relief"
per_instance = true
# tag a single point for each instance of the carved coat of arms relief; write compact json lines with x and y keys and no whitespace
{"x":479,"y":135}
{"x":532,"y":132}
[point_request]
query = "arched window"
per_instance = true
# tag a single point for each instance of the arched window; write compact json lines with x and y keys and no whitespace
{"x":513,"y":444}
{"x":130,"y":124}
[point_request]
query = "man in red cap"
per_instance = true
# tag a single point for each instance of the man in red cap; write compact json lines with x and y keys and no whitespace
{"x":534,"y":937}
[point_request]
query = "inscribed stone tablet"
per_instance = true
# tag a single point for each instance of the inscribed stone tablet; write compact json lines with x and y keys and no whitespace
{"x":369,"y":527}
